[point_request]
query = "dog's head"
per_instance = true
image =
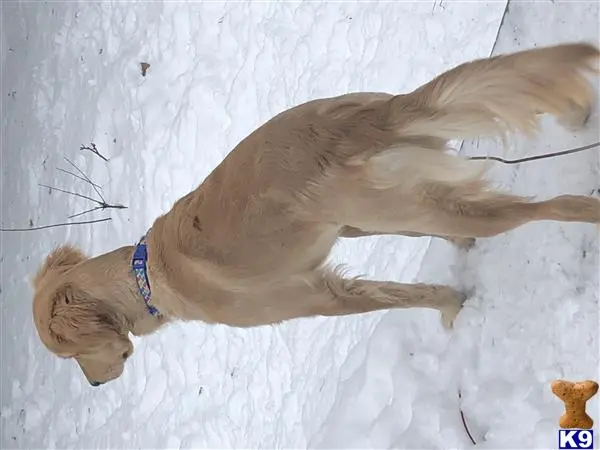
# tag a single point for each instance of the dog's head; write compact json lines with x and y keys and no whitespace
{"x":74,"y":324}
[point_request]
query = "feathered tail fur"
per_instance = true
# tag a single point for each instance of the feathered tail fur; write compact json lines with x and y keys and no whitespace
{"x":483,"y":98}
{"x":489,"y":97}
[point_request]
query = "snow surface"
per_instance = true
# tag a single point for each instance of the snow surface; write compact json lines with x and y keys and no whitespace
{"x":71,"y":76}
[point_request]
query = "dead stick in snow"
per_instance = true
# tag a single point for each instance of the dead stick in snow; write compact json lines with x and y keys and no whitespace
{"x":72,"y":216}
{"x":56,"y":225}
{"x":86,"y":178}
{"x":464,"y":421}
{"x":74,"y":175}
{"x":92,"y":148}
{"x":102,"y":204}
{"x":535,"y":158}
{"x":70,"y":193}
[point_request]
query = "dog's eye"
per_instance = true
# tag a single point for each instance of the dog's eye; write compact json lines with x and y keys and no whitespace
{"x":125,"y":355}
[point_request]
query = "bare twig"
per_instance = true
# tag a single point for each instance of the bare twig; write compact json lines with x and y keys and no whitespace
{"x":85,"y":212}
{"x":102,"y":203}
{"x":76,"y":176}
{"x":102,"y":207}
{"x":72,"y":193}
{"x":464,"y":421}
{"x":92,"y":148}
{"x":56,"y":225}
{"x":533,"y":158}
{"x":83,"y":174}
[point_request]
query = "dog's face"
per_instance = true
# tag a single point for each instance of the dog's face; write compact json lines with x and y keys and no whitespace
{"x":73,"y":324}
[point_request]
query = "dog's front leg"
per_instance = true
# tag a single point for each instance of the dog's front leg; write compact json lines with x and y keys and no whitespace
{"x":326,"y":293}
{"x":343,"y":296}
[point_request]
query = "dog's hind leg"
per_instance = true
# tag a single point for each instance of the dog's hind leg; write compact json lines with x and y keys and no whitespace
{"x":460,"y":242}
{"x":495,"y":213}
{"x":461,"y":211}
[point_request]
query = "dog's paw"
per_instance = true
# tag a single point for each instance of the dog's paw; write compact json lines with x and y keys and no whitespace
{"x":448,"y":316}
{"x":451,"y":308}
{"x":464,"y":244}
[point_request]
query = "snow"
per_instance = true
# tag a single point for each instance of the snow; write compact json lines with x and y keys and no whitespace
{"x":71,"y":76}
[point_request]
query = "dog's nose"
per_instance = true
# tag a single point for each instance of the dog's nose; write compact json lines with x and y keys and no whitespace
{"x":95,"y":383}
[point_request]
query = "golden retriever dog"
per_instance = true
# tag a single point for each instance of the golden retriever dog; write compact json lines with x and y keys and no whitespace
{"x":249,"y":246}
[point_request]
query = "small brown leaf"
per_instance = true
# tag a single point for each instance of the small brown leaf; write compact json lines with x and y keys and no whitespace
{"x":145,"y":66}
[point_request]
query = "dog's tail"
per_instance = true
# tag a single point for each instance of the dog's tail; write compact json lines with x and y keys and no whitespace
{"x":491,"y":97}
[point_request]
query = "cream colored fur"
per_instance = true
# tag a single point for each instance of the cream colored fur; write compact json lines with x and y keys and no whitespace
{"x":248,"y":246}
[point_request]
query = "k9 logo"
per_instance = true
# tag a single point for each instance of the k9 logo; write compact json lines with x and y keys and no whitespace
{"x":568,"y":439}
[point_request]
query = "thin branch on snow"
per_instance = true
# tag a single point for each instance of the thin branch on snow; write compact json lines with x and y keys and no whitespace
{"x":72,"y":216}
{"x":56,"y":225}
{"x":75,"y":175}
{"x":102,"y":203}
{"x":75,"y":194}
{"x":92,"y":148}
{"x":464,"y":421}
{"x":535,"y":158}
{"x":103,"y":206}
{"x":83,"y":174}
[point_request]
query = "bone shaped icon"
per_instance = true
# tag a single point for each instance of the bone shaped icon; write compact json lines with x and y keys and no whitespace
{"x":575,"y":395}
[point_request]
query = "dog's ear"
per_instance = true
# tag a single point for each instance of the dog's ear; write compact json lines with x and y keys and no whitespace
{"x":79,"y":318}
{"x":69,"y":321}
{"x":61,"y":259}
